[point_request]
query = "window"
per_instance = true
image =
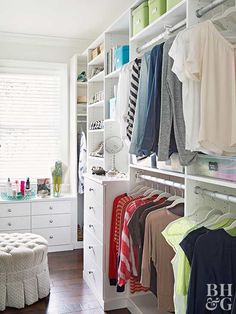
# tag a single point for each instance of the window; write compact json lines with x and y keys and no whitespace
{"x":33,"y":118}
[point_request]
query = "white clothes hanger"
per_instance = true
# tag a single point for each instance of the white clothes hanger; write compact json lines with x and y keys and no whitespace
{"x":153,"y":193}
{"x":228,"y":215}
{"x":226,"y":23}
{"x":232,"y":226}
{"x":136,"y":188}
{"x":140,"y":191}
{"x":208,"y":217}
{"x":178,"y":201}
{"x":148,"y":191}
{"x":162,"y":195}
{"x":173,"y":198}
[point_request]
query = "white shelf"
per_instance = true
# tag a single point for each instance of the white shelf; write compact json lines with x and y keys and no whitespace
{"x":171,"y":17}
{"x":97,"y":78}
{"x":81,"y":115}
{"x":98,"y":60}
{"x":215,"y":181}
{"x":155,"y":170}
{"x":96,"y":131}
{"x":98,"y":104}
{"x":96,"y":158}
{"x":144,"y":304}
{"x":114,"y":74}
{"x":82,"y":84}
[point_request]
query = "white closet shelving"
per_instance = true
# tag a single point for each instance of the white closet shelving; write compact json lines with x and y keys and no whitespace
{"x":117,"y":34}
{"x":79,"y":123}
{"x":120,"y":33}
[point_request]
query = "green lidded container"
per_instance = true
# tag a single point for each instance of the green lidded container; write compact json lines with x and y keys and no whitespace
{"x":156,"y":9}
{"x":140,"y":17}
{"x":171,"y":3}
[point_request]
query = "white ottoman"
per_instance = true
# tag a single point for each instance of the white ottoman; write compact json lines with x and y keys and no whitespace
{"x":24,"y":276}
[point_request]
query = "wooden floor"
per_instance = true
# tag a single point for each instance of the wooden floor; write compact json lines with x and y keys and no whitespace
{"x":69,"y":293}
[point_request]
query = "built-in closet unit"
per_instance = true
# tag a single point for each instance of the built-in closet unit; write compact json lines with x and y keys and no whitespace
{"x":78,"y":114}
{"x":99,"y":192}
{"x":105,"y":83}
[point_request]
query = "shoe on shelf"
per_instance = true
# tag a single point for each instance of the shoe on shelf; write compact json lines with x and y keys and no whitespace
{"x":99,"y":152}
{"x":82,"y":77}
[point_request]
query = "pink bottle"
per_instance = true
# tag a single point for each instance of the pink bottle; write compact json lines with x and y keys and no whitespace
{"x":22,"y":187}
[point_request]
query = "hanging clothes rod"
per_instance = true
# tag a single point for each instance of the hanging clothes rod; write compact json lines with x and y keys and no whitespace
{"x":161,"y":181}
{"x":215,"y":195}
{"x":155,"y":40}
{"x":209,"y":7}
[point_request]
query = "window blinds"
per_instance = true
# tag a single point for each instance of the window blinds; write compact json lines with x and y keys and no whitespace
{"x":30,"y":118}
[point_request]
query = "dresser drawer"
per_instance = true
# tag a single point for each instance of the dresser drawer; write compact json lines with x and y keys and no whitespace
{"x":94,"y":276}
{"x":94,"y":227}
{"x":13,"y":209}
{"x":50,"y":208}
{"x":50,"y":221}
{"x":95,"y":210}
{"x":93,"y":192}
{"x":94,"y":249}
{"x":15,"y":223}
{"x":55,"y":236}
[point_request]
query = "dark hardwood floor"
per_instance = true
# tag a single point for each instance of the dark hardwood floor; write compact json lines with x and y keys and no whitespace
{"x":69,"y":293}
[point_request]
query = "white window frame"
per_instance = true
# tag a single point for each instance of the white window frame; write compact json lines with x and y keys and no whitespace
{"x":61,"y":69}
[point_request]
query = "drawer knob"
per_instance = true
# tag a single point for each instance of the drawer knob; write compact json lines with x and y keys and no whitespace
{"x":90,"y":247}
{"x":9,"y":210}
{"x":51,"y":221}
{"x":50,"y":207}
{"x":90,"y":272}
{"x":91,"y":207}
{"x":91,"y":190}
{"x":90,"y":226}
{"x":9,"y":224}
{"x":51,"y":237}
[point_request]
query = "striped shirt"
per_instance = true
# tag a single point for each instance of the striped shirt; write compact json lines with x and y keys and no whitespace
{"x":134,"y":83}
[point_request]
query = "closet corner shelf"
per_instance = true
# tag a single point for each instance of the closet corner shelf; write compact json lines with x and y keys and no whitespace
{"x":215,"y":181}
{"x":146,"y":303}
{"x":96,"y":131}
{"x":99,"y":60}
{"x":101,"y":159}
{"x":160,"y":171}
{"x":97,"y":78}
{"x":96,"y":104}
{"x":171,"y":17}
{"x":114,"y":74}
{"x":82,"y":84}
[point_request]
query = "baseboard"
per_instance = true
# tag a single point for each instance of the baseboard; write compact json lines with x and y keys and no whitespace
{"x":115,"y":304}
{"x":78,"y":245}
{"x":60,"y":248}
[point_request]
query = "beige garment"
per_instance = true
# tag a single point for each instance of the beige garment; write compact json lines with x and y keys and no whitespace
{"x":211,"y":60}
{"x":161,"y":253}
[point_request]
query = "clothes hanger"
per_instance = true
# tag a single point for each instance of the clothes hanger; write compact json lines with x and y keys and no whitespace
{"x":162,"y":195}
{"x":226,"y":24}
{"x":178,"y":201}
{"x":153,"y":193}
{"x":232,"y":226}
{"x":173,"y":197}
{"x":221,"y":218}
{"x":140,"y":191}
{"x":136,"y":188}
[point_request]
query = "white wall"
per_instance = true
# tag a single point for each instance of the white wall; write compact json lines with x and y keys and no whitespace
{"x":32,"y":48}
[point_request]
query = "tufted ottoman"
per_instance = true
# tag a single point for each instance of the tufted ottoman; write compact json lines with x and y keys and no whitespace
{"x":24,"y":276}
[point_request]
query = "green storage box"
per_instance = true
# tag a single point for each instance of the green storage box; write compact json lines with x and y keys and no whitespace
{"x":140,"y":17}
{"x":156,"y":9}
{"x":171,"y":3}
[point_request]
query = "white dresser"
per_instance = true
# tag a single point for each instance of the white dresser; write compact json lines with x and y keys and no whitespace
{"x":52,"y":218}
{"x":99,"y":195}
